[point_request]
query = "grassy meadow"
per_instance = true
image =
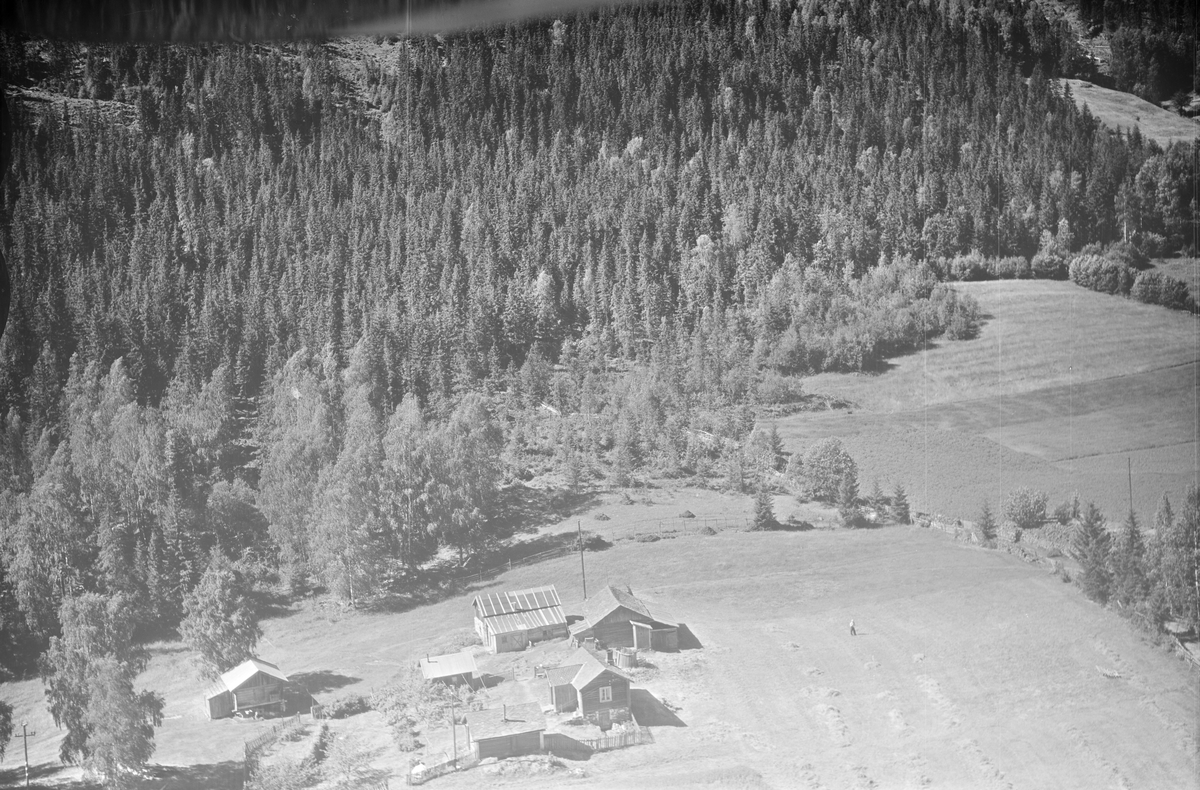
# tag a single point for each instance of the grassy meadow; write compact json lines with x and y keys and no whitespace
{"x":1060,"y":387}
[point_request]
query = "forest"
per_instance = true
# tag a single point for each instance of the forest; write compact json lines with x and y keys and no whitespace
{"x":310,"y":307}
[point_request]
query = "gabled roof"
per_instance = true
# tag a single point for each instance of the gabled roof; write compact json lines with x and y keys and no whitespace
{"x":510,"y":720}
{"x":590,"y":668}
{"x":234,"y":678}
{"x":523,"y":621}
{"x":562,"y":676}
{"x":609,"y":600}
{"x":492,"y":604}
{"x":449,"y":665}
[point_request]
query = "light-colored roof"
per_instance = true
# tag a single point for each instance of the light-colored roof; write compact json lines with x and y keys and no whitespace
{"x":510,"y":720}
{"x":562,"y":676}
{"x":609,"y":600}
{"x":462,"y":663}
{"x":523,"y":621}
{"x":493,"y":604}
{"x":590,"y":667}
{"x":235,"y":677}
{"x":248,"y":669}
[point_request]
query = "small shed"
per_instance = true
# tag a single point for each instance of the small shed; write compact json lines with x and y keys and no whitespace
{"x":588,"y":684}
{"x":617,"y":618}
{"x":452,"y":669}
{"x":253,"y":684}
{"x":509,"y":621}
{"x":507,"y":731}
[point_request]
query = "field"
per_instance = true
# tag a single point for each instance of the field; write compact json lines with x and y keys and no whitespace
{"x":1059,"y":389}
{"x":1119,"y":110}
{"x":971,"y":669}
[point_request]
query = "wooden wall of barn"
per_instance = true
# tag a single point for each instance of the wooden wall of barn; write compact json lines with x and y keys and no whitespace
{"x":508,"y":745}
{"x":615,"y":629}
{"x":589,"y":695}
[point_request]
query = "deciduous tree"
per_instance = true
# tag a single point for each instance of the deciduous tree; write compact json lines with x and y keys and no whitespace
{"x":219,"y":624}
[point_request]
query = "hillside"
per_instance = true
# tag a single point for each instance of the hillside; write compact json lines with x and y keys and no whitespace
{"x":971,"y":669}
{"x":1124,"y":111}
{"x":1054,"y":394}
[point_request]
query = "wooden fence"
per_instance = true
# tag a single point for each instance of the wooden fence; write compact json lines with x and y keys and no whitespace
{"x":620,"y":740}
{"x":255,"y":745}
{"x":441,"y":769}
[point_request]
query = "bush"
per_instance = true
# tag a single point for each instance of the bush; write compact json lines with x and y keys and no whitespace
{"x":1102,"y":274}
{"x":283,"y":776}
{"x":349,"y":705}
{"x":1048,"y":265}
{"x":647,"y":537}
{"x":1153,"y":287}
{"x":1026,"y":508}
{"x":1012,"y":268}
{"x":826,"y":464}
{"x":776,"y":389}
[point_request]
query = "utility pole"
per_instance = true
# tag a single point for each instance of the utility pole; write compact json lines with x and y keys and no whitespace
{"x":582,"y":570}
{"x":454,"y":734}
{"x":1129,"y":465}
{"x":25,"y":736}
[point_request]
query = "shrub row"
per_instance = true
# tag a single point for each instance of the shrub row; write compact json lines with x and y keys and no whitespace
{"x":1116,"y":277}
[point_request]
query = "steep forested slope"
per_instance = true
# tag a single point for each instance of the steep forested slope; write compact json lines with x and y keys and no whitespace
{"x":309,"y":275}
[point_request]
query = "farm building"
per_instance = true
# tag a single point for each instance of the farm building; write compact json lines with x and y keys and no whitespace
{"x":616,"y":618}
{"x":452,"y":669}
{"x":507,"y":731}
{"x":252,"y":685}
{"x":587,"y":684}
{"x":509,"y":621}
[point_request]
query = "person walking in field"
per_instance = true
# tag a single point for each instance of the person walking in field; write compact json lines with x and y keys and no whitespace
{"x":852,"y":631}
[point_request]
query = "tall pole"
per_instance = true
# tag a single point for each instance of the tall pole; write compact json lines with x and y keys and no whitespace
{"x":25,"y":736}
{"x":454,"y":733}
{"x":1129,"y":465}
{"x":582,"y":570}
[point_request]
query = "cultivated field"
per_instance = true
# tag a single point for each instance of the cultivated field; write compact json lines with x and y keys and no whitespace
{"x":1059,"y":389}
{"x":971,"y":669}
{"x":1119,"y":110}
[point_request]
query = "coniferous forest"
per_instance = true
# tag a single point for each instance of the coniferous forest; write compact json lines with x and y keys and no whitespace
{"x":304,"y":307}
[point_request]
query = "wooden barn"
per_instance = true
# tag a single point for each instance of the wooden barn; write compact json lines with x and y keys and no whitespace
{"x":252,"y":685}
{"x":587,"y":684}
{"x":507,"y":731}
{"x":509,"y":621}
{"x":616,"y":618}
{"x":452,"y":669}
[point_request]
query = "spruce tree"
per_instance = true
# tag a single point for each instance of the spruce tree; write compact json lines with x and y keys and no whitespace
{"x":1130,"y":586}
{"x":848,"y":490}
{"x":986,"y":523}
{"x":876,"y":499}
{"x":900,"y":505}
{"x":1091,"y":548}
{"x":764,"y":511}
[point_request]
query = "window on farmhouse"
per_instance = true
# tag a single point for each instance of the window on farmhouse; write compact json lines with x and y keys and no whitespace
{"x":606,"y":693}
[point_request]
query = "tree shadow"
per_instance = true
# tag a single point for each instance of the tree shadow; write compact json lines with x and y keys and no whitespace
{"x":649,"y":711}
{"x":525,"y":509}
{"x":228,"y":775}
{"x":322,"y":681}
{"x":270,"y":604}
{"x":43,"y":775}
{"x":687,"y":639}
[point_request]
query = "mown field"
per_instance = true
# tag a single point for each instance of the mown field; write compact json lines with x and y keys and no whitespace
{"x":1059,"y":389}
{"x":1120,"y":110}
{"x":971,"y":669}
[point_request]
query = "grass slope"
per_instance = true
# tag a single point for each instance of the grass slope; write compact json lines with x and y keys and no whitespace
{"x":1120,"y":110}
{"x":971,"y":669}
{"x":1061,"y":386}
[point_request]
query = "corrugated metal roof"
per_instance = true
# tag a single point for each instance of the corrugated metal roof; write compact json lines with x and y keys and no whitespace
{"x":462,"y":663}
{"x":493,"y":604}
{"x":248,"y":669}
{"x":562,"y":676}
{"x":524,"y":621}
{"x":513,"y":720}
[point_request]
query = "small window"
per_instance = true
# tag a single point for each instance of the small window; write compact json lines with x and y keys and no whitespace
{"x":606,"y":693}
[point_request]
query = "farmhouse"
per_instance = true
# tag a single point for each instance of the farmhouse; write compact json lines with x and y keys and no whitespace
{"x":509,"y":621}
{"x":252,"y":685}
{"x":451,"y":669}
{"x":616,"y":618}
{"x":587,"y":684}
{"x":507,"y":731}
